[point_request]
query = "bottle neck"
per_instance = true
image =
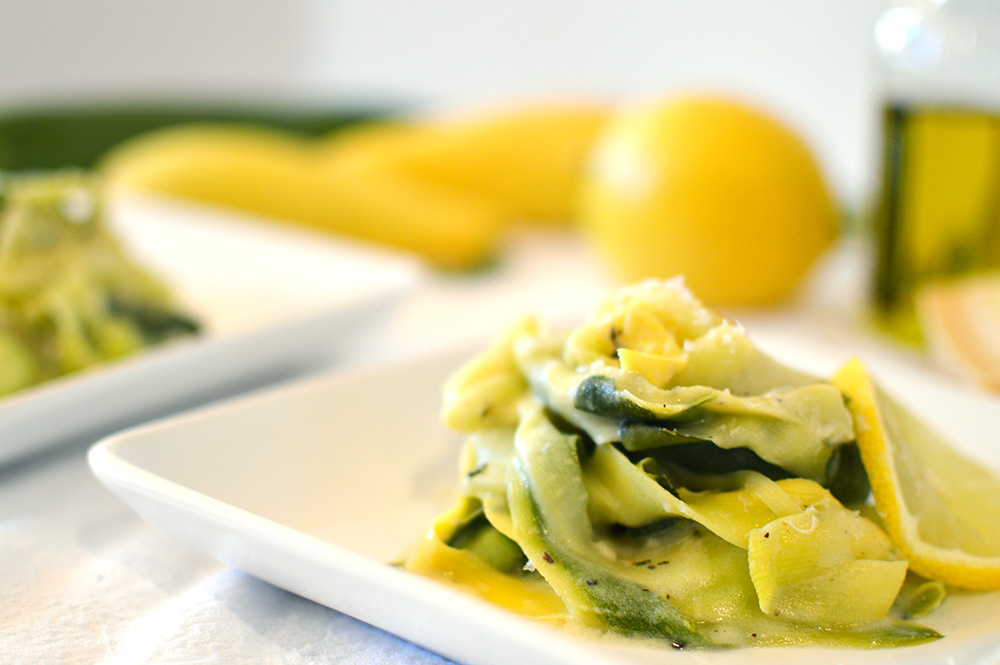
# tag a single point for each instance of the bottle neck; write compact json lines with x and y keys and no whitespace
{"x":943,"y":53}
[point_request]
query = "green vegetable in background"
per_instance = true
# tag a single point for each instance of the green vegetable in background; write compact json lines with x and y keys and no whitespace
{"x":41,"y":137}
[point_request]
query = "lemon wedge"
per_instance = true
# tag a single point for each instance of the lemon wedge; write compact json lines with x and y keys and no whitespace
{"x":939,"y":507}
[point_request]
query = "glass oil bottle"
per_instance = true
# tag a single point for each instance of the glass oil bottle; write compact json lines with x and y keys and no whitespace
{"x":938,"y":211}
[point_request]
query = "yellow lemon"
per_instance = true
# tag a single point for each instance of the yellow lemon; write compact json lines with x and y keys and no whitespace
{"x":710,"y":188}
{"x":939,"y":507}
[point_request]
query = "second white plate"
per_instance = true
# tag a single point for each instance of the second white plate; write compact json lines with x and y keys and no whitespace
{"x":273,"y":302}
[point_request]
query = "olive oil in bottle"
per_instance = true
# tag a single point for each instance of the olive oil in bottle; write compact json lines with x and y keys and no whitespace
{"x":937,"y":78}
{"x":939,"y":206}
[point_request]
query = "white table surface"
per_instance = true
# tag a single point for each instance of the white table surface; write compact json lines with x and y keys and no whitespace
{"x":85,"y":580}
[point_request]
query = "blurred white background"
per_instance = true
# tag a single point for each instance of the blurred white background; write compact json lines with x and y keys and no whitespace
{"x":807,"y":61}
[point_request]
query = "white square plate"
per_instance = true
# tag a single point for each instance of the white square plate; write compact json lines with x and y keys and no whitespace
{"x":273,"y":302}
{"x":318,"y":485}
